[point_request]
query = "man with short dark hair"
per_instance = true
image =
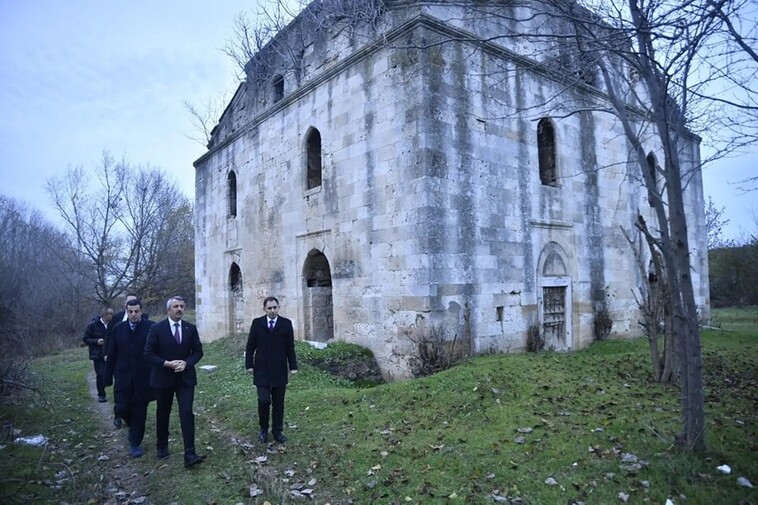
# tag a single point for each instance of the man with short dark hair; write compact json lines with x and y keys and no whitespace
{"x":173,"y":348}
{"x":95,"y":336}
{"x":119,"y":317}
{"x":130,"y":373}
{"x":270,"y":349}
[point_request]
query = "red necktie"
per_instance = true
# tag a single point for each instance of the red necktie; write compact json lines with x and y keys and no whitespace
{"x":176,"y":334}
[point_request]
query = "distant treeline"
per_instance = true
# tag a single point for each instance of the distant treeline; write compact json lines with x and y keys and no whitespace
{"x":733,"y":274}
{"x":124,"y":229}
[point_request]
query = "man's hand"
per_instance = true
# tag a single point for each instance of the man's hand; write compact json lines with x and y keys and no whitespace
{"x":100,"y":341}
{"x":293,"y":372}
{"x":177,"y":365}
{"x":249,"y":370}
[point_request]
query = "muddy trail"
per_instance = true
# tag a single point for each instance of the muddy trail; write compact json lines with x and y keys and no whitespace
{"x":122,"y":481}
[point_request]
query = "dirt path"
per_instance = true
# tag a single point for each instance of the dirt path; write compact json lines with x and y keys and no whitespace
{"x":125,"y":481}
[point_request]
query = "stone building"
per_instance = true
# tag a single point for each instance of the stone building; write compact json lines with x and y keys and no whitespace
{"x":398,"y":174}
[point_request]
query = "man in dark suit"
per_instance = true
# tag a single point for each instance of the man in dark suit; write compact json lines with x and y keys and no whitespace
{"x":127,"y":366}
{"x":119,"y":317}
{"x":173,"y":348}
{"x":270,"y":349}
{"x":96,"y":336}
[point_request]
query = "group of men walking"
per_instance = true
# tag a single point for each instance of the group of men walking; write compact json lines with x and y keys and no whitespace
{"x":146,"y":361}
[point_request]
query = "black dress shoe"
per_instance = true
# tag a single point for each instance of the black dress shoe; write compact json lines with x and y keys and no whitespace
{"x":263,"y":436}
{"x":102,"y":398}
{"x":162,"y":452}
{"x":191,"y":459}
{"x":279,"y":437}
{"x":117,"y":422}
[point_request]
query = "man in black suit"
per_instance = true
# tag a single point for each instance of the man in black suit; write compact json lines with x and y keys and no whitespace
{"x":173,"y":348}
{"x":126,"y":364}
{"x":270,"y":349}
{"x":119,"y":317}
{"x":96,"y":336}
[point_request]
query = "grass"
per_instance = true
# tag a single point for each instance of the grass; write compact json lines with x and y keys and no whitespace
{"x":490,"y":430}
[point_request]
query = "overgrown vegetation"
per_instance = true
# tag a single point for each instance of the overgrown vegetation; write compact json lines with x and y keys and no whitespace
{"x":342,"y":359}
{"x":432,"y":350}
{"x":603,"y":323}
{"x":493,"y":429}
{"x":535,"y":342}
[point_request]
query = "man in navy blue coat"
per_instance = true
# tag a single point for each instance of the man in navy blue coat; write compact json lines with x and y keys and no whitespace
{"x":126,"y":366}
{"x":173,"y":349}
{"x":270,"y":350}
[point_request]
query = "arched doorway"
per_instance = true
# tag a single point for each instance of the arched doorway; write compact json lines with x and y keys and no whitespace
{"x":555,"y":298}
{"x":317,"y":280}
{"x":236,"y":300}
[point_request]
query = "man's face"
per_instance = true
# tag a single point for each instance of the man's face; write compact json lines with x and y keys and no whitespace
{"x":272,"y":309}
{"x":176,"y":310}
{"x":134,"y":313}
{"x":107,"y":317}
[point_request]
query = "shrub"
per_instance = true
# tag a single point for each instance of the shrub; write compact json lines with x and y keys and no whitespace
{"x":535,"y":342}
{"x":603,"y":324}
{"x":434,"y":352}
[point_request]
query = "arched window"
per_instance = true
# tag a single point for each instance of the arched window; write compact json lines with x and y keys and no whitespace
{"x":547,"y":154}
{"x":235,"y":278}
{"x":231,"y":183}
{"x":278,"y":88}
{"x":313,"y":157}
{"x":652,"y":168}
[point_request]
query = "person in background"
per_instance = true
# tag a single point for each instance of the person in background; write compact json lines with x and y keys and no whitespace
{"x":173,"y":349}
{"x":96,"y":336}
{"x":122,"y":315}
{"x":270,"y":350}
{"x":129,"y":373}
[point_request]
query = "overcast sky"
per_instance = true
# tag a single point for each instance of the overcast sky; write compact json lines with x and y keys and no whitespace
{"x":81,"y":76}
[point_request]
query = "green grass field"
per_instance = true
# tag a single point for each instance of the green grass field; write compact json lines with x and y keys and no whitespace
{"x":495,"y":429}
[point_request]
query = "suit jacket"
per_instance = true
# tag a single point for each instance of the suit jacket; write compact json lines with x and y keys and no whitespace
{"x":126,"y":365}
{"x":92,"y":333}
{"x":161,"y":346}
{"x":118,"y":317}
{"x":269,"y":353}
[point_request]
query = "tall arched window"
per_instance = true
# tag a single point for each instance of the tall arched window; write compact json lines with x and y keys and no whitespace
{"x":235,"y":278}
{"x":313,"y":157}
{"x":278,"y":88}
{"x":547,"y":154}
{"x":652,"y":168}
{"x":231,"y":183}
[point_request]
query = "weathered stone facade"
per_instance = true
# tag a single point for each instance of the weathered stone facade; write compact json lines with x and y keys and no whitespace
{"x":386,"y":187}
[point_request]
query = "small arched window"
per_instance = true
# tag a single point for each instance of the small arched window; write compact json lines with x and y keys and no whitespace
{"x":313,"y":157}
{"x":231,"y":183}
{"x":235,"y":278}
{"x":278,"y":88}
{"x":547,"y":153}
{"x":652,"y":168}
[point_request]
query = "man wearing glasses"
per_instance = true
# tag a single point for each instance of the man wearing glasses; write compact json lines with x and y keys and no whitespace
{"x":270,"y":357}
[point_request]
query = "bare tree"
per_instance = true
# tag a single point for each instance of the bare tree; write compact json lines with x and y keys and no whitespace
{"x":714,"y":223}
{"x":665,"y":45}
{"x":133,"y":230}
{"x":38,"y":275}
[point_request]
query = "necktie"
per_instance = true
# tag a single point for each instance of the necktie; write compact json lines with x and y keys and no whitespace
{"x":271,"y":325}
{"x":176,"y":334}
{"x":132,"y":326}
